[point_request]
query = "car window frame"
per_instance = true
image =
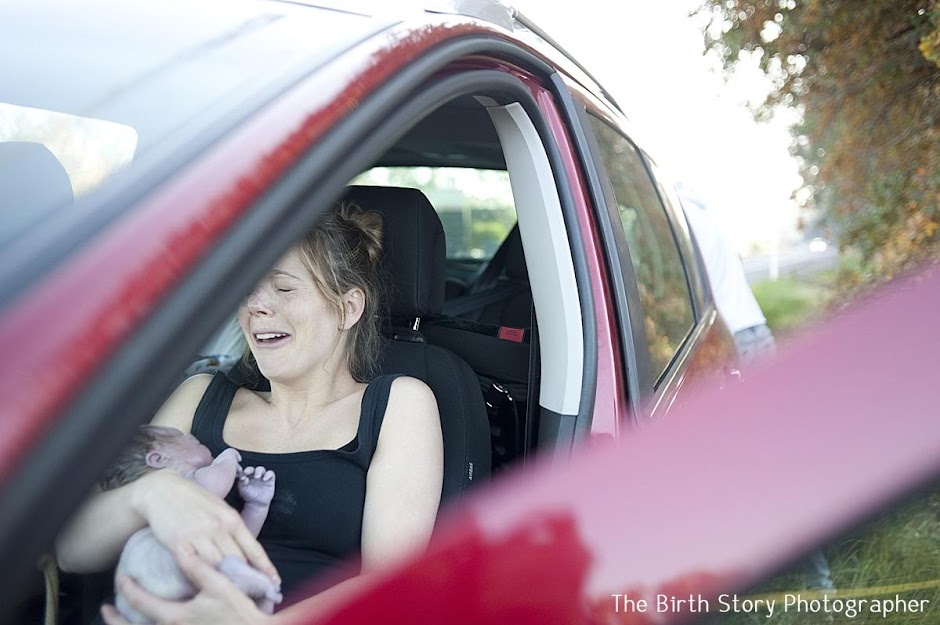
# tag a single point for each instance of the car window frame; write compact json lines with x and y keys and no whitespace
{"x":655,"y":393}
{"x":126,"y":383}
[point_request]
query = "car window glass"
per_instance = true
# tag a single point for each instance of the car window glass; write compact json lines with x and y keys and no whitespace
{"x":475,"y":205}
{"x":96,"y":111}
{"x":661,"y":279}
{"x":48,"y":158}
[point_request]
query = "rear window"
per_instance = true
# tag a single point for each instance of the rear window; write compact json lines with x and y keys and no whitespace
{"x":475,"y":205}
{"x":94,"y":89}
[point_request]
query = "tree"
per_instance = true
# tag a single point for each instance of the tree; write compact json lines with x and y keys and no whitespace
{"x":865,"y":78}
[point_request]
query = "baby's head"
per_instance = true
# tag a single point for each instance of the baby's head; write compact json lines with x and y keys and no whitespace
{"x":156,"y":447}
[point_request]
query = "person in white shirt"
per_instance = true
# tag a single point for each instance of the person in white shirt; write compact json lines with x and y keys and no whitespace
{"x":743,"y":315}
{"x":732,"y":294}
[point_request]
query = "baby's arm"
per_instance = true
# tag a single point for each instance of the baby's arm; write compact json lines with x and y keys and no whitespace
{"x":219,"y":476}
{"x":256,"y":487}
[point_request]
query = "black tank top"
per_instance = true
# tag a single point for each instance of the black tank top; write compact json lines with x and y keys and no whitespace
{"x":315,"y":521}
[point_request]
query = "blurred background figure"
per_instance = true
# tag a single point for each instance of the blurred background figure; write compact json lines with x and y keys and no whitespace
{"x":739,"y":308}
{"x":732,"y":293}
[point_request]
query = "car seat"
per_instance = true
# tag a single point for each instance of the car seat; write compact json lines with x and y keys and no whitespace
{"x":490,"y":326}
{"x":415,"y":263}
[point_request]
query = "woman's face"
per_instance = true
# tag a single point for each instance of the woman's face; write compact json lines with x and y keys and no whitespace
{"x":291,"y":328}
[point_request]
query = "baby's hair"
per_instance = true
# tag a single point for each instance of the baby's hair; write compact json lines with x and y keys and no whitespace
{"x":131,"y":463}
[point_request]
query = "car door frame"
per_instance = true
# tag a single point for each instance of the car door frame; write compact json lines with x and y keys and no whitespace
{"x":118,"y":390}
{"x":648,"y":401}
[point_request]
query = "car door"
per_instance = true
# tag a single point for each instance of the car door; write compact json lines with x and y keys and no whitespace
{"x":123,"y":309}
{"x":670,"y":331}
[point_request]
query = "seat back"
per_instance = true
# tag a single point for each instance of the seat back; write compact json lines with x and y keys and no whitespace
{"x":500,"y":295}
{"x":414,"y":252}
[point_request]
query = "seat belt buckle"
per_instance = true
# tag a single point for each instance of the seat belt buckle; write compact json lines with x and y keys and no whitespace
{"x":516,"y":335}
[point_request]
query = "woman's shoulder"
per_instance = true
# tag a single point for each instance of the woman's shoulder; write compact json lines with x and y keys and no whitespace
{"x":248,"y":399}
{"x":412,"y":388}
{"x":178,"y":410}
{"x":411,"y":404}
{"x":411,"y":429}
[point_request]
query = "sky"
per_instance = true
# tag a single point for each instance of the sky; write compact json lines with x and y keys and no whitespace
{"x":649,"y":55}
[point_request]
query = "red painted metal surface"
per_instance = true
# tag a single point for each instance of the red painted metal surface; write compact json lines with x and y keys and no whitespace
{"x":708,"y":364}
{"x":66,"y":326}
{"x":558,"y":544}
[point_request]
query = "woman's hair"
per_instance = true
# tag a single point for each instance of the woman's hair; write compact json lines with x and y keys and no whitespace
{"x":344,"y":251}
{"x":131,"y":463}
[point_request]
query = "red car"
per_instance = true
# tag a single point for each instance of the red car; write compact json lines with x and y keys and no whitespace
{"x":156,"y":160}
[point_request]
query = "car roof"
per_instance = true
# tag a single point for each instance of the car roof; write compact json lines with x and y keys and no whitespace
{"x":165,"y":62}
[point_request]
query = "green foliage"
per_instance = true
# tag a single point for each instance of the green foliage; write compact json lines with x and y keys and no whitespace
{"x":487,"y":234}
{"x":866,"y":78}
{"x":789,"y":303}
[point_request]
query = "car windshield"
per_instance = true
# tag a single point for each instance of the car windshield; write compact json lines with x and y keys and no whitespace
{"x":89,"y":96}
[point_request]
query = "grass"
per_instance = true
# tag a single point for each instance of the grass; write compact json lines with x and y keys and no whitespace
{"x":790,"y":303}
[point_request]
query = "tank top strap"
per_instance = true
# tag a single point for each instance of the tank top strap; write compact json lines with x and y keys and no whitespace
{"x":209,"y":418}
{"x":374,"y":403}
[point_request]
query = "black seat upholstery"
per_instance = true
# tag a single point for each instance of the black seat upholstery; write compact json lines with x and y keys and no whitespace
{"x":501,"y":295}
{"x":490,"y":326}
{"x":415,"y":261}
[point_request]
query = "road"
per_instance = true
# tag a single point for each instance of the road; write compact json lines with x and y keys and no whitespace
{"x":798,"y":261}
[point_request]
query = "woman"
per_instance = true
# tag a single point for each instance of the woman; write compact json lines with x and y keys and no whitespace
{"x":358,"y":464}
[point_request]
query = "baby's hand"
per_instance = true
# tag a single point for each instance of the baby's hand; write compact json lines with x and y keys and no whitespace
{"x":229,"y":455}
{"x":256,"y":485}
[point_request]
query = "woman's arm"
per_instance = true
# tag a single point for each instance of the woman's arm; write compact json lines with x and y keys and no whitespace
{"x":83,"y":546}
{"x":175,"y":508}
{"x":403,"y":488}
{"x":402,"y":496}
{"x":95,"y":535}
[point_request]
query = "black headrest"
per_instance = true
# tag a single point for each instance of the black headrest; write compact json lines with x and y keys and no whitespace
{"x":414,"y":247}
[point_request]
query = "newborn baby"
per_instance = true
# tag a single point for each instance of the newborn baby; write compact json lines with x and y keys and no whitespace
{"x":151,"y":564}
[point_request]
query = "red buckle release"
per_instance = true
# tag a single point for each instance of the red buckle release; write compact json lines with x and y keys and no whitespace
{"x":516,"y":335}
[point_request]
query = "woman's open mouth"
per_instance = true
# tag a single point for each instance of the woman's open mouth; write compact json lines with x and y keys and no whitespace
{"x":270,"y":339}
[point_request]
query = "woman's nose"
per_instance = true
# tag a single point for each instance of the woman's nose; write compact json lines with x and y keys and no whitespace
{"x":257,"y":303}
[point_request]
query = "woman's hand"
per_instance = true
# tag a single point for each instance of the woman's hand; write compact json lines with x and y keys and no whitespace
{"x":218,"y":601}
{"x":186,"y":519}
